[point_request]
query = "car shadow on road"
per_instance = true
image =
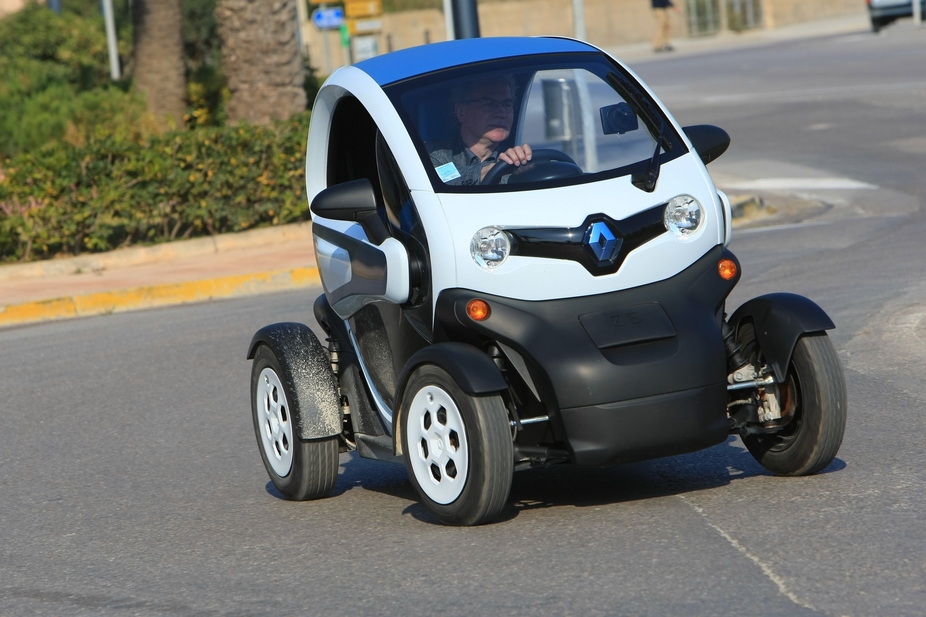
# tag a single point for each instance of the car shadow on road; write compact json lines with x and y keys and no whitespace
{"x":596,"y":486}
{"x":573,"y":486}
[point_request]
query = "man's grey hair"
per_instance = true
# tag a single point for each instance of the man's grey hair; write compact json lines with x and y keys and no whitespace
{"x":460,"y":92}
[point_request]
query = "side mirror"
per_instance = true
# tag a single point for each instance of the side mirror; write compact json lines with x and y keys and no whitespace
{"x":352,"y":201}
{"x":708,"y":141}
{"x":618,"y":118}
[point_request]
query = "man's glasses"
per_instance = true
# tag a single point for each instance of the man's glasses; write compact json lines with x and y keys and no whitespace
{"x":488,"y":104}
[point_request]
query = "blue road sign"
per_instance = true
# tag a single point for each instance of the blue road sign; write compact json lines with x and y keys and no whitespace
{"x":328,"y":18}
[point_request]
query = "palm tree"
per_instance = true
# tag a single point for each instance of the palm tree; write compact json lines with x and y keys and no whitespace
{"x":261,"y":59}
{"x":159,"y":70}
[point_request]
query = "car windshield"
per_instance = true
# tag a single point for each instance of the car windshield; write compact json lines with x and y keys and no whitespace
{"x":581,"y":116}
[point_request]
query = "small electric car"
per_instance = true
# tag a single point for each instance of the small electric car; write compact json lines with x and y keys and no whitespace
{"x":485,"y":316}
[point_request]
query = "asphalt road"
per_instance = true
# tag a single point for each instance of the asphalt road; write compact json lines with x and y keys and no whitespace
{"x":130,"y":482}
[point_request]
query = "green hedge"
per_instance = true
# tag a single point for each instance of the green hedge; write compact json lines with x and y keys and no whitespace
{"x":55,"y":83}
{"x":67,"y":199}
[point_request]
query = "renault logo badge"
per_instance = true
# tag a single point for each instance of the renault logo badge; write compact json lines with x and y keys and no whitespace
{"x":601,"y":241}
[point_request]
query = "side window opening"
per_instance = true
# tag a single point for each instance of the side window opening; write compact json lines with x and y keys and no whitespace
{"x":352,"y":144}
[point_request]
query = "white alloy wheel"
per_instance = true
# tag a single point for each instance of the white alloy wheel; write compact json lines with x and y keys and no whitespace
{"x":436,"y":442}
{"x":275,"y":421}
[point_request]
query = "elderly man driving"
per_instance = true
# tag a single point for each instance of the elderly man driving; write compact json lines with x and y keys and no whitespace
{"x":485,"y":111}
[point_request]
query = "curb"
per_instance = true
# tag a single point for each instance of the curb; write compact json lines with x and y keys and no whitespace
{"x":139,"y":255}
{"x":125,"y":300}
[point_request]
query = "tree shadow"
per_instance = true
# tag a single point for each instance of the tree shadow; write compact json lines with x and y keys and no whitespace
{"x":574,"y":486}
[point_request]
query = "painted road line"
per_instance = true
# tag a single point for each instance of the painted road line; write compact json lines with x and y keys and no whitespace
{"x":800,"y":184}
{"x":154,"y":296}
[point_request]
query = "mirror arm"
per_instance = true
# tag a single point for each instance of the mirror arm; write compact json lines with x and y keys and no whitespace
{"x":373,"y":226}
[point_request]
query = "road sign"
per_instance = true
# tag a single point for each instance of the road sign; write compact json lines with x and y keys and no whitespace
{"x":363,"y":26}
{"x":363,"y":8}
{"x":328,"y":18}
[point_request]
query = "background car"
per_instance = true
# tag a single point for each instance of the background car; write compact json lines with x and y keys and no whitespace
{"x":883,"y":12}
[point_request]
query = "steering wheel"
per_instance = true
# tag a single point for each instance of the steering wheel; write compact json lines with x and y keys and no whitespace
{"x":556,"y":164}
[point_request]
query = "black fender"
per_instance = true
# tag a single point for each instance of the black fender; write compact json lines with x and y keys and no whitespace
{"x":780,"y":319}
{"x":472,"y":369}
{"x":307,"y":368}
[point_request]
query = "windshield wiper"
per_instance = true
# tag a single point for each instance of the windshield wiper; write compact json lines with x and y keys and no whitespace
{"x":646,"y":181}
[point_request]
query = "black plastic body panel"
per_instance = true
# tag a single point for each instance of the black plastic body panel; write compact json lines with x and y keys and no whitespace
{"x":307,"y":369}
{"x":708,"y":141}
{"x":652,"y":381}
{"x":780,"y":319}
{"x":364,"y":418}
{"x":550,"y":336}
{"x":651,"y":427}
{"x":472,"y":369}
{"x":367,"y":267}
{"x":573,"y":243}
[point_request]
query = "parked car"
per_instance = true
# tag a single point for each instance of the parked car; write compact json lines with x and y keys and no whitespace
{"x":883,"y":12}
{"x":569,"y":309}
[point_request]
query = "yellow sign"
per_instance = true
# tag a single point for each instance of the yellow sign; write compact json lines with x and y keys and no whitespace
{"x":363,"y":26}
{"x":363,"y":8}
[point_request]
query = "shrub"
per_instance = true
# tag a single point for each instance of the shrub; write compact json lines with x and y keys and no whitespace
{"x":69,"y":199}
{"x":55,"y":82}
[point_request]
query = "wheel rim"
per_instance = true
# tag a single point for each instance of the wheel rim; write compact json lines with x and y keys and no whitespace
{"x":437,"y":447}
{"x":274,"y":422}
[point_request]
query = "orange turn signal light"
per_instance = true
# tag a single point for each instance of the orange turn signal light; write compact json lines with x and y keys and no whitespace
{"x":477,"y":309}
{"x":726,"y":268}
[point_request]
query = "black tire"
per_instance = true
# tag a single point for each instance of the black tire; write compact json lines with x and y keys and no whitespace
{"x":458,"y":453}
{"x":312,"y":468}
{"x":815,"y":393}
{"x":879,"y":23}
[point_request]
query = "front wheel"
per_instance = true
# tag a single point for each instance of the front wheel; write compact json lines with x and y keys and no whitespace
{"x":814,"y":395}
{"x":457,"y":448}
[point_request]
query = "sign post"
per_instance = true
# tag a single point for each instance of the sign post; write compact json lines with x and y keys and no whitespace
{"x":327,"y":18}
{"x":364,"y":22}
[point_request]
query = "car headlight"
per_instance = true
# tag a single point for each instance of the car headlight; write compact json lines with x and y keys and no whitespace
{"x":683,"y":216}
{"x":490,"y":247}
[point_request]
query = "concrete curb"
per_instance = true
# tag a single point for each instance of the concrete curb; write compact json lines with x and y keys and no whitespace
{"x":139,"y":255}
{"x":124,"y":300}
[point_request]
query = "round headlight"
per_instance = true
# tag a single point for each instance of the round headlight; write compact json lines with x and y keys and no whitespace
{"x":490,"y":247}
{"x":683,"y":216}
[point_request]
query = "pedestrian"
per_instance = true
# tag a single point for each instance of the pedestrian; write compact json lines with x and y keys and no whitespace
{"x":663,"y":25}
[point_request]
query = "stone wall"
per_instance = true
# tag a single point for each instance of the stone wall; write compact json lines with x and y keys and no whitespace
{"x":779,"y":13}
{"x":609,"y":23}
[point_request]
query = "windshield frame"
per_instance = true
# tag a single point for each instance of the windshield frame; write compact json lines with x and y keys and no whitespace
{"x":596,"y":63}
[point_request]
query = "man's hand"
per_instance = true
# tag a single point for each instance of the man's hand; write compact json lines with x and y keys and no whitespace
{"x":517,"y":155}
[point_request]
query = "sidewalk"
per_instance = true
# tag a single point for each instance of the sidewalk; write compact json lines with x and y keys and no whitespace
{"x":232,"y":265}
{"x":252,"y":262}
{"x":846,"y":24}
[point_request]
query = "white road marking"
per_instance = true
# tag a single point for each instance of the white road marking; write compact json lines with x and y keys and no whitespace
{"x":800,"y":184}
{"x":766,"y":569}
{"x":752,"y":230}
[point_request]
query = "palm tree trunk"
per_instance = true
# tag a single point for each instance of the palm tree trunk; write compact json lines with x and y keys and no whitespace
{"x":261,"y":59}
{"x":159,"y":70}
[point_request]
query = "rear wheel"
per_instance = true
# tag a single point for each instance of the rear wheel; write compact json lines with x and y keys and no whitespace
{"x":300,"y":469}
{"x":457,"y":448}
{"x":814,"y":406}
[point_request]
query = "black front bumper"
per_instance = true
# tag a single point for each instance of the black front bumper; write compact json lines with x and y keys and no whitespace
{"x":627,"y":375}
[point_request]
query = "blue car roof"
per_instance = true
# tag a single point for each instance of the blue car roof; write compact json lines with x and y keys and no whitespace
{"x":413,"y":61}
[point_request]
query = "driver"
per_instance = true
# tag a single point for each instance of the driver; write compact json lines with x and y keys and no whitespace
{"x":485,"y":111}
